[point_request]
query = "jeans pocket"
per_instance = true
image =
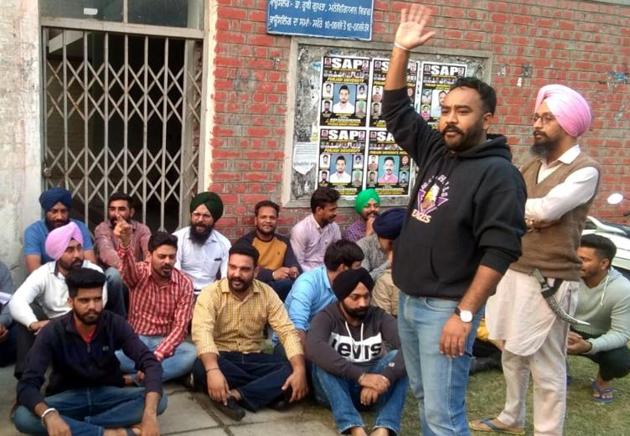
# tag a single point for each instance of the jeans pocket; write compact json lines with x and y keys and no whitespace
{"x":441,"y":304}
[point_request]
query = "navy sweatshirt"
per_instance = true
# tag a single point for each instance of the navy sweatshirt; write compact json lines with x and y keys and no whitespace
{"x":77,"y":364}
{"x":467,"y":208}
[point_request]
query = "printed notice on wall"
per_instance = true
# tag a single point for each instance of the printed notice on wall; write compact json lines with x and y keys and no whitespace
{"x":436,"y":80}
{"x":341,"y":19}
{"x":344,"y":96}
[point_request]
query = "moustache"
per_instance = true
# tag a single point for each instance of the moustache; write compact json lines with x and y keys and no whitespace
{"x":452,"y":129}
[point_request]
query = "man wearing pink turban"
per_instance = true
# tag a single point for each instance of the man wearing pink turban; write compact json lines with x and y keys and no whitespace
{"x":46,"y":286}
{"x":561,"y":184}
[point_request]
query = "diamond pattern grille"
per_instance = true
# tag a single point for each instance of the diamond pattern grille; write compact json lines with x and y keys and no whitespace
{"x":122,"y":114}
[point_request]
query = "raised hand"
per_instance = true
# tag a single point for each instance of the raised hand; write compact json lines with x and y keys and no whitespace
{"x":123,"y":231}
{"x":410,"y":33}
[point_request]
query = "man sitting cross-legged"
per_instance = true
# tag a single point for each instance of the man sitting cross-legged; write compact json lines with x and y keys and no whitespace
{"x":87,"y":396}
{"x":352,"y":368}
{"x":161,"y":299}
{"x":229,"y":332}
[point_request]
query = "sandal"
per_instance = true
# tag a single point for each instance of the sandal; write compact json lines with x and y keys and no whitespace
{"x":602,"y":395}
{"x":493,"y":425}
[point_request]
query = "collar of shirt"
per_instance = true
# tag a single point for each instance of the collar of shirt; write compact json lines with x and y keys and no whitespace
{"x":566,"y":158}
{"x":315,"y":224}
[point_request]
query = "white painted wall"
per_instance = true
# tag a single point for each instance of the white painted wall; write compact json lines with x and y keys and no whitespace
{"x":20,"y":128}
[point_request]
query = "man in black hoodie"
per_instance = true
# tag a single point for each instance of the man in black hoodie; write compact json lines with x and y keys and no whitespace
{"x":352,"y":364}
{"x":463,"y":230}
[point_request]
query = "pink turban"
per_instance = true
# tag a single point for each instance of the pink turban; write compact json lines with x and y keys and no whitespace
{"x":568,"y":106}
{"x":58,"y":240}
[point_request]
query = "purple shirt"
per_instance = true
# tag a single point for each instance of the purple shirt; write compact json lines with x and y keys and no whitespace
{"x":356,"y":230}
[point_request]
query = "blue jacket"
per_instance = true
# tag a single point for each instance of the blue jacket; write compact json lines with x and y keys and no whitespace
{"x":77,"y":364}
{"x":310,"y":294}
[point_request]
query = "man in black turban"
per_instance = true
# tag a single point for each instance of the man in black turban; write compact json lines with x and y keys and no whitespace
{"x":202,"y":251}
{"x":354,"y":350}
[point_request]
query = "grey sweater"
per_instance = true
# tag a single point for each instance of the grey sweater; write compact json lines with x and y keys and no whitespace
{"x":607,"y":308}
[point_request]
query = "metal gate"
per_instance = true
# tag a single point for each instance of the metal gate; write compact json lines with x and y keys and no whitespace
{"x":122,"y":114}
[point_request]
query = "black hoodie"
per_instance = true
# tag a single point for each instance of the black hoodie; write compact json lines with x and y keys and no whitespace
{"x":467,"y":208}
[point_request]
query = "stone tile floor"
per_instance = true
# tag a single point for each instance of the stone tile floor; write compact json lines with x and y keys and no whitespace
{"x":192,"y":414}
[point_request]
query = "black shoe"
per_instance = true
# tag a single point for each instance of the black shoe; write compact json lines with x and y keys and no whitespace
{"x":282,"y":402}
{"x":231,"y":410}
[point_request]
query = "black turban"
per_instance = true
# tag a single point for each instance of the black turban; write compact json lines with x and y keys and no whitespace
{"x":347,"y":281}
{"x":212,"y":201}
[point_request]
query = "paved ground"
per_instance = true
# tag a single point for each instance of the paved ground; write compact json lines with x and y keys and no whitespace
{"x":192,"y":414}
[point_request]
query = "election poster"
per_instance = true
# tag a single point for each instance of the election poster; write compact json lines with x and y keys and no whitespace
{"x":436,"y":79}
{"x":388,"y":166}
{"x":379,"y":71}
{"x":344,"y":91}
{"x":341,"y":159}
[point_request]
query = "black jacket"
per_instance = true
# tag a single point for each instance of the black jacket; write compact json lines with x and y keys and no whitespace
{"x":77,"y":364}
{"x":467,"y":208}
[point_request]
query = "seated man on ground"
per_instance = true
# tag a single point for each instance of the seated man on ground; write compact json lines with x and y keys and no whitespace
{"x":229,"y":332}
{"x":85,"y":391}
{"x":202,"y":251}
{"x":352,"y":366}
{"x":46,"y":286}
{"x":312,"y":235}
{"x":603,"y":302}
{"x":367,"y":206}
{"x":277,"y":266}
{"x":56,"y":203}
{"x":387,"y":228}
{"x":313,"y":291}
{"x":161,"y":300}
{"x":7,"y":326}
{"x":119,"y":206}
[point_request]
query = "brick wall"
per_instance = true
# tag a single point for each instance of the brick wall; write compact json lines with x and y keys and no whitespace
{"x":583,"y":44}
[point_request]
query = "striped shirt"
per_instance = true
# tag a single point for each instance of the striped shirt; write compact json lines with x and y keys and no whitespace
{"x":157,"y":309}
{"x":222,"y":322}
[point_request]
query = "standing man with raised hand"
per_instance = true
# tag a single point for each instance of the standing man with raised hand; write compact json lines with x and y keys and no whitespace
{"x":461,"y":233}
{"x":561,"y":184}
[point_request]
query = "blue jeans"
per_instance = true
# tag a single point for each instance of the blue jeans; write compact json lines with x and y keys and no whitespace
{"x":115,"y":292}
{"x":88,"y":411}
{"x":438,"y":382}
{"x":8,"y":348}
{"x":342,"y":395}
{"x":258,"y":377}
{"x":178,"y":365}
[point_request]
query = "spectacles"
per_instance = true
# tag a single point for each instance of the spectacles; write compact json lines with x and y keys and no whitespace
{"x":544,"y":118}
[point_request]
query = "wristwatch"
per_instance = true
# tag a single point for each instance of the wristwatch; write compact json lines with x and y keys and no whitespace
{"x":464,"y":315}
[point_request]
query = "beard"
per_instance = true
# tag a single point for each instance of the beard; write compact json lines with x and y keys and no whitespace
{"x":543,"y":145}
{"x":113,"y":221}
{"x":355,"y":313}
{"x":239,"y":285}
{"x":52,"y":225}
{"x":88,"y":318}
{"x":466,"y":140}
{"x":75,"y":264}
{"x":199,"y":233}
